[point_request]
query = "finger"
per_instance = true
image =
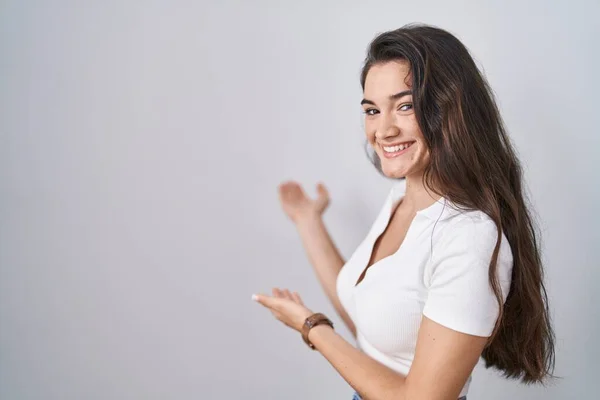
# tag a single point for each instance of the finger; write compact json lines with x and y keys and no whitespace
{"x":322,"y":190}
{"x":323,"y":196}
{"x":295,"y":191}
{"x":296,"y":297}
{"x":283,"y":187}
{"x":276,"y":292}
{"x":286,"y":294}
{"x":282,"y":192}
{"x":267,"y":301}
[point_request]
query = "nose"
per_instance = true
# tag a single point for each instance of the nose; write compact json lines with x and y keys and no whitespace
{"x":387,"y":128}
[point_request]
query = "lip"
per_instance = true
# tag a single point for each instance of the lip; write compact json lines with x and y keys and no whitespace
{"x":396,"y":153}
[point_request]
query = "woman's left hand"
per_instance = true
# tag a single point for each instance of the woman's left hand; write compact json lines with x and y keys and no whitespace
{"x":286,"y":307}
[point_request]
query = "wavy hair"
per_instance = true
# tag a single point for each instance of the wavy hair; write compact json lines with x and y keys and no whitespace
{"x":474,"y":165}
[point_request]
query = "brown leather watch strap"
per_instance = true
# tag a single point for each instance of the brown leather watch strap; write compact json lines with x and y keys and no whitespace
{"x":311,"y":322}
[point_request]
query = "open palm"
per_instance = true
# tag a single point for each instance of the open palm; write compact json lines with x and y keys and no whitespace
{"x":296,"y":204}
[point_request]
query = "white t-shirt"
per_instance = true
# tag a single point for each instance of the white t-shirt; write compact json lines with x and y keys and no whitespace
{"x":440,"y":271}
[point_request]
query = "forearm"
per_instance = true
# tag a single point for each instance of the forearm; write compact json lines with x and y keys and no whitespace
{"x":371,"y":379}
{"x":326,"y":261}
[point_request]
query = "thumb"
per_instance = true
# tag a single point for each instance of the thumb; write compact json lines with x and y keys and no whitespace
{"x":323,"y":194}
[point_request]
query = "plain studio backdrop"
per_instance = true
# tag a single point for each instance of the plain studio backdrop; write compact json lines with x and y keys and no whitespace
{"x":141,"y":145}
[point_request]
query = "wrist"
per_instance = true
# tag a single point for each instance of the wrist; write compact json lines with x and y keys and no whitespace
{"x":315,"y":333}
{"x":311,"y":323}
{"x":308,"y":220}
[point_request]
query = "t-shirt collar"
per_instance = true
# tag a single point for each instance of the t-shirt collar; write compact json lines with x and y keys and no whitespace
{"x":440,"y":210}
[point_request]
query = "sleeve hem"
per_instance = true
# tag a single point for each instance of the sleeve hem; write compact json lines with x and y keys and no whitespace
{"x":458,"y":325}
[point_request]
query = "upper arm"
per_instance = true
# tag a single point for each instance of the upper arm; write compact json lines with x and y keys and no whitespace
{"x":443,"y":361}
{"x":461,"y":308}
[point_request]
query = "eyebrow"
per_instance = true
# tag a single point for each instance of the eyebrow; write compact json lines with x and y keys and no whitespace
{"x":392,"y":97}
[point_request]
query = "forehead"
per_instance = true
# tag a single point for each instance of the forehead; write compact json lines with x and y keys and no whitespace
{"x":387,"y":78}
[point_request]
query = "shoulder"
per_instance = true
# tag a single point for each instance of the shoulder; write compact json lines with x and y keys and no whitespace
{"x":460,"y":295}
{"x":472,"y":235}
{"x":470,"y":225}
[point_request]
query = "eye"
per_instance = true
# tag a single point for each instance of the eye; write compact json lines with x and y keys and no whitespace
{"x":371,"y":111}
{"x":406,"y":107}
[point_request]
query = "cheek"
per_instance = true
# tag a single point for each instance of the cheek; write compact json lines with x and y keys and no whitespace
{"x":422,"y":155}
{"x":370,"y":131}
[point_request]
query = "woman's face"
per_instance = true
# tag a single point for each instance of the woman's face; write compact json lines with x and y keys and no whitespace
{"x":390,"y":122}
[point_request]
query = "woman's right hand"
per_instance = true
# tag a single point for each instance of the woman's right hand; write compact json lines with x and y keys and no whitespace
{"x":297,"y":205}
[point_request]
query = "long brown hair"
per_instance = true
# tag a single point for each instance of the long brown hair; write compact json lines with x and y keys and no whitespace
{"x":474,"y":165}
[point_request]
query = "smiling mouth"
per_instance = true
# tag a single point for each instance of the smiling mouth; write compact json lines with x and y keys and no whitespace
{"x":397,"y":149}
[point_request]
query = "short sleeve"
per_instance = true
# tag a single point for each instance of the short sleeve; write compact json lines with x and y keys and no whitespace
{"x":460,"y":296}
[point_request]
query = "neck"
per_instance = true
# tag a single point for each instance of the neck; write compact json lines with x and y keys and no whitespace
{"x":418,"y":196}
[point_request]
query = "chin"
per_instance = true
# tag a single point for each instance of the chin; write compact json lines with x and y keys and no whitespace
{"x":393,"y":172}
{"x":398,"y":168}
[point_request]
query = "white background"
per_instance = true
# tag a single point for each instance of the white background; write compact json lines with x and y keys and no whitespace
{"x":141,"y":144}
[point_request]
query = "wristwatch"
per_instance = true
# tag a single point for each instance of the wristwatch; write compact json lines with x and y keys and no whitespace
{"x":311,"y":322}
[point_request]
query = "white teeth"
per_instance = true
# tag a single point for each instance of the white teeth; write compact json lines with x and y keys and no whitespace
{"x":393,"y":149}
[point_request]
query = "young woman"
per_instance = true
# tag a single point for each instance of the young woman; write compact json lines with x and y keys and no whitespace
{"x":450,"y":270}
